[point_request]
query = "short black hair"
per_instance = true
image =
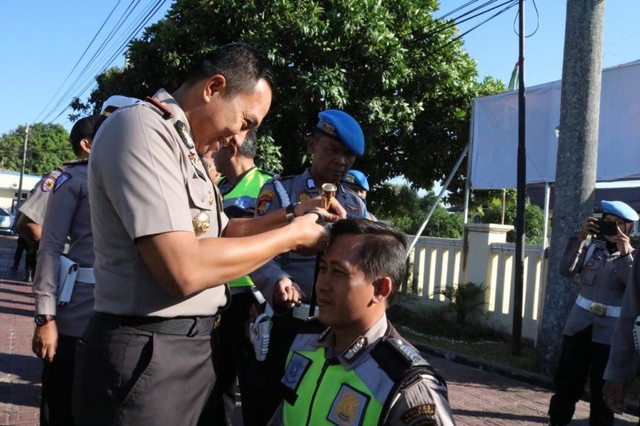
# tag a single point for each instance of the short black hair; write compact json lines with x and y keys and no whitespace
{"x":82,"y":129}
{"x":241,"y":64}
{"x":381,"y":250}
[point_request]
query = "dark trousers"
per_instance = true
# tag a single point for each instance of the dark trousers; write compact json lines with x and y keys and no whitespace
{"x":263,"y":392}
{"x":20,"y":248}
{"x":580,"y":358}
{"x":127,"y":376}
{"x":233,"y":360}
{"x":57,"y":384}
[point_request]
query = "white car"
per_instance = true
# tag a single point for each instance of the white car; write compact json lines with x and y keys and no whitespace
{"x":6,"y":221}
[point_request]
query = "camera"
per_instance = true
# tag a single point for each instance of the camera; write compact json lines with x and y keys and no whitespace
{"x":607,"y":228}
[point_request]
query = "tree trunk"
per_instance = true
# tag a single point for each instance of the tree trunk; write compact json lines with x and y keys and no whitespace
{"x":576,"y":163}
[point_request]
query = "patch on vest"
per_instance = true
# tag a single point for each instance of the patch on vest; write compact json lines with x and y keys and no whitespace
{"x":304,"y":197}
{"x":349,"y":407}
{"x":264,"y":201}
{"x":420,"y":415}
{"x":61,"y":180}
{"x":296,"y":368}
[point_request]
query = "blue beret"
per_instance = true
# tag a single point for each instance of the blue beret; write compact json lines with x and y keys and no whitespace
{"x":356,"y":177}
{"x":620,"y":209}
{"x":341,"y":126}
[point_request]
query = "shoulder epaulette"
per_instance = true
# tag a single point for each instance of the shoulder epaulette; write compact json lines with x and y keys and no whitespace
{"x":163,"y":110}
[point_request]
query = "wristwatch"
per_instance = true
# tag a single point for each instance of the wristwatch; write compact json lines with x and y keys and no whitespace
{"x":290,"y":211}
{"x":43,"y":319}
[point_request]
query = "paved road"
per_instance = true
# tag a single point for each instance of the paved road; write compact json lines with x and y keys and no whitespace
{"x":478,"y":397}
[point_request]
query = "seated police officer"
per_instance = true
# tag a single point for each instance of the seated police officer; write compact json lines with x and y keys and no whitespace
{"x":601,"y":257}
{"x":350,"y":365}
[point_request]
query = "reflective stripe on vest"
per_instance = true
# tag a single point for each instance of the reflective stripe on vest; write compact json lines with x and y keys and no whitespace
{"x":327,"y":393}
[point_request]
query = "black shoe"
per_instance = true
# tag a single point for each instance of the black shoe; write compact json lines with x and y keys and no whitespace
{"x":29,"y":277}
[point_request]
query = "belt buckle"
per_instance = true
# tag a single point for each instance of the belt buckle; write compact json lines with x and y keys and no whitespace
{"x":598,"y":309}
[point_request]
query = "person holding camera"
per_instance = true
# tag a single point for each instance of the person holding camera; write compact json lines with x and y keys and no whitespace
{"x":600,"y":256}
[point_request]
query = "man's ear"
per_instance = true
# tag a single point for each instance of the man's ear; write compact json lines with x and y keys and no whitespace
{"x":382,"y":288}
{"x":215,"y":85}
{"x":311,"y":145}
{"x":85,"y":145}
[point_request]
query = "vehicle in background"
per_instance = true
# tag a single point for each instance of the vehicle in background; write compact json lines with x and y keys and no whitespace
{"x":6,"y":221}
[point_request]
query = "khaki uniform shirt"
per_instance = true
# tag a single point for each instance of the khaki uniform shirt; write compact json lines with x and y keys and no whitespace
{"x":35,"y":206}
{"x":144,"y":180}
{"x":67,"y":216}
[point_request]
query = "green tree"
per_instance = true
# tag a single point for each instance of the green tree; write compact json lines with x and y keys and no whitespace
{"x":405,"y":209}
{"x":533,"y":216}
{"x":48,"y":146}
{"x":387,"y":63}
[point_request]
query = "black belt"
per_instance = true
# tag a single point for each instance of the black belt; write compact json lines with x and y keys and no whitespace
{"x":179,"y":326}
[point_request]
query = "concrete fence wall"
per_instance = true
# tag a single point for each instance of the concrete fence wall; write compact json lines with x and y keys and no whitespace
{"x":482,"y":257}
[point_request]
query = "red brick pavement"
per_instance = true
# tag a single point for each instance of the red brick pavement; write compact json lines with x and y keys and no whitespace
{"x":478,"y":397}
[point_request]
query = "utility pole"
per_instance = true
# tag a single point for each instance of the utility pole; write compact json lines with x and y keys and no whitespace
{"x":576,"y":163}
{"x":518,"y":258}
{"x":24,"y":160}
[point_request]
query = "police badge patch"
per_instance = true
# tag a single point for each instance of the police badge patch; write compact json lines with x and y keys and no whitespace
{"x":47,"y":184}
{"x":297,"y":366}
{"x":349,"y":407}
{"x":264,"y":201}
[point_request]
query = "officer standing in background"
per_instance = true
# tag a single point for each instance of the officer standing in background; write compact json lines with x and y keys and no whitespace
{"x":34,"y":208}
{"x":356,"y":181}
{"x":335,"y":142}
{"x":164,"y":248}
{"x":61,"y":322}
{"x":601,"y":256}
{"x":350,"y":365}
{"x":239,"y":187}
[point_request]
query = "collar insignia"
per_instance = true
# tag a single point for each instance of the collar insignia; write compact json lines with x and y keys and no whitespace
{"x":356,"y":347}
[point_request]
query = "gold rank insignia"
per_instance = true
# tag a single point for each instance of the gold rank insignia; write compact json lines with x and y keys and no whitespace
{"x":211,"y":198}
{"x":201,"y":223}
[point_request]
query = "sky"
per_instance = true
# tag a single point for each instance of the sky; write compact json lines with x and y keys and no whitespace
{"x":43,"y":40}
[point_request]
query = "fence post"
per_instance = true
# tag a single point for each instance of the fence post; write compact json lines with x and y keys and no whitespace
{"x":478,"y":250}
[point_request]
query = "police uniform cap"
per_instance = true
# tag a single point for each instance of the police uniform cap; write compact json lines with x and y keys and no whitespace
{"x":341,"y":126}
{"x":114,"y":102}
{"x":620,"y":209}
{"x":357,"y":178}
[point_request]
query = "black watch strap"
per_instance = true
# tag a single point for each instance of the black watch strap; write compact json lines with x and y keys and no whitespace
{"x":290,"y":211}
{"x":43,"y":319}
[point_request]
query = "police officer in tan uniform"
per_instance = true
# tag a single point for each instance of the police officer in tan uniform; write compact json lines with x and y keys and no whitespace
{"x":336,"y":140}
{"x":601,"y":260}
{"x":350,"y":366}
{"x":164,"y":248}
{"x":61,"y":322}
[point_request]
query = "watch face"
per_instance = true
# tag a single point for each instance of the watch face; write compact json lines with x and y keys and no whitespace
{"x":42,"y":319}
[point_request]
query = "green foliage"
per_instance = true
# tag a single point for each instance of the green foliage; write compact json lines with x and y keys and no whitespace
{"x":533,"y":216}
{"x":465,"y":299}
{"x":410,"y":86}
{"x":269,"y":157}
{"x":406,"y":210}
{"x":48,"y":147}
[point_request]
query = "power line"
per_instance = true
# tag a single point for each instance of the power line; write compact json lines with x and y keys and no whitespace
{"x":109,"y":49}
